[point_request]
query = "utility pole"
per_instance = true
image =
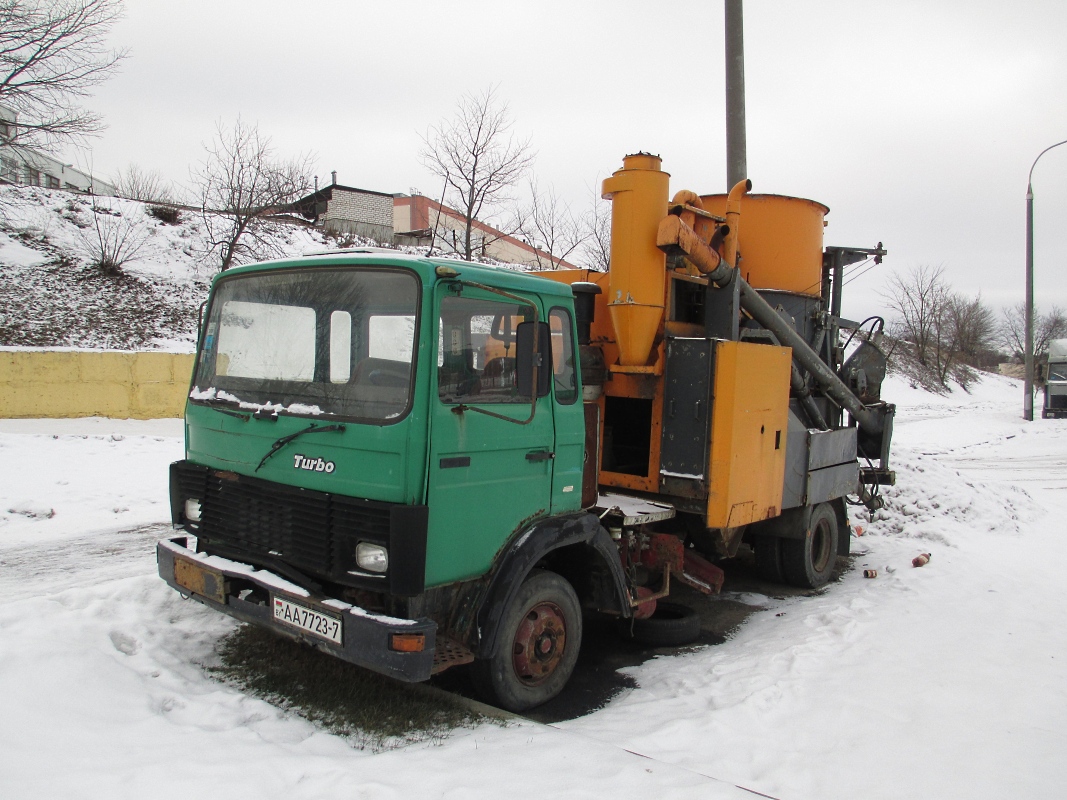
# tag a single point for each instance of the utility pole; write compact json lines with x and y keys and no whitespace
{"x":736,"y":149}
{"x":1028,"y":396}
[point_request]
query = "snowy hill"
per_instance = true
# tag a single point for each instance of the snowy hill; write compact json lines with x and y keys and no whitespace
{"x":52,"y":295}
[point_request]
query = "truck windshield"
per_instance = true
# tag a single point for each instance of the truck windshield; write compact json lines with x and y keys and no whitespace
{"x":1057,"y":372}
{"x":336,"y":342}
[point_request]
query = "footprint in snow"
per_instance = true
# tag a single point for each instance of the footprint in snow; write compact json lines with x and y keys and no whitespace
{"x":124,"y":643}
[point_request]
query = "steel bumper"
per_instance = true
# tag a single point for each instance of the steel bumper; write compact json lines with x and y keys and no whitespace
{"x":366,"y":637}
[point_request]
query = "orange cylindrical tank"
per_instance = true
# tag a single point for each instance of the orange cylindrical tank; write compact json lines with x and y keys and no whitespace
{"x":637,"y":276}
{"x":780,"y":240}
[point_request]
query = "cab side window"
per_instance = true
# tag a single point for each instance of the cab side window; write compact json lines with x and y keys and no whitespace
{"x":563,"y":362}
{"x":476,"y":351}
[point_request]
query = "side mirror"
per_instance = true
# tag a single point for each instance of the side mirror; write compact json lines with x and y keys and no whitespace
{"x":526,"y":366}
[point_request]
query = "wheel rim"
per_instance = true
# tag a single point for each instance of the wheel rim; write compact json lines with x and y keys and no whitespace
{"x":820,"y":546}
{"x":540,"y":641}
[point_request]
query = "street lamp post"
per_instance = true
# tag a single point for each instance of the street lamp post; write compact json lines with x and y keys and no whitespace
{"x":1028,"y":398}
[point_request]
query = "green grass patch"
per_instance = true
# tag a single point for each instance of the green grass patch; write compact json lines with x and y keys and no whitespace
{"x":372,"y":711}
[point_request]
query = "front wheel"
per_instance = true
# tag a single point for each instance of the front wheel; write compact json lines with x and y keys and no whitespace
{"x":808,"y":562}
{"x":540,"y":634}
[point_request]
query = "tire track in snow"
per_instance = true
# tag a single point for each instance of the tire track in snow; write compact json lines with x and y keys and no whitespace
{"x":83,"y":561}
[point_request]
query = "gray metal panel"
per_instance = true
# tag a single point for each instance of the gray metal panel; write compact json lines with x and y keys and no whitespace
{"x":722,"y":309}
{"x":796,"y":461}
{"x":832,"y":482}
{"x":686,"y":402}
{"x":827,"y":448}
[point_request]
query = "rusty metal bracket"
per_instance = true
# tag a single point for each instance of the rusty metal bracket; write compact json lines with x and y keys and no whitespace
{"x":666,"y":590}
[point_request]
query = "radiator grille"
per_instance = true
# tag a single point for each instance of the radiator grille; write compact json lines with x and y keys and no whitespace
{"x":313,"y":531}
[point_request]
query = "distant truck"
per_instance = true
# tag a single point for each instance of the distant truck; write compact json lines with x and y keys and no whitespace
{"x":1056,"y":380}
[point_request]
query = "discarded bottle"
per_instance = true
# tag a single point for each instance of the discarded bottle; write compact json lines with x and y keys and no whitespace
{"x":921,"y":559}
{"x":870,"y":573}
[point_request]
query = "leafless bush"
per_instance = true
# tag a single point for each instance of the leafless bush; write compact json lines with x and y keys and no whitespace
{"x":111,"y":240}
{"x":148,"y":186}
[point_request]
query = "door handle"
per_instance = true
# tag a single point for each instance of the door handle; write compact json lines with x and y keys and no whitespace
{"x":540,"y":455}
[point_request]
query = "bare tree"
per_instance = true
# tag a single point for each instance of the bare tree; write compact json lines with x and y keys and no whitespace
{"x":551,"y":227}
{"x":973,"y":330}
{"x":920,"y":299}
{"x":148,"y":186}
{"x":241,"y":183}
{"x":52,"y":53}
{"x":1047,"y":327}
{"x":596,"y":247}
{"x":479,"y":160}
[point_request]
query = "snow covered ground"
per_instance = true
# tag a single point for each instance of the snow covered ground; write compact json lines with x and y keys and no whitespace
{"x":945,"y":681}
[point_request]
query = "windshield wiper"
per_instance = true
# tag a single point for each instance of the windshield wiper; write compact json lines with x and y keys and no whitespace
{"x":278,"y":445}
{"x":227,"y":412}
{"x":217,"y":404}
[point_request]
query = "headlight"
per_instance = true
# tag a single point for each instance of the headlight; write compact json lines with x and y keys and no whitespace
{"x":192,"y":509}
{"x":372,"y":557}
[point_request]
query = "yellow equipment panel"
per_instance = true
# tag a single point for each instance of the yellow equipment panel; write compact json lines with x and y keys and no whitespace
{"x":749,"y":421}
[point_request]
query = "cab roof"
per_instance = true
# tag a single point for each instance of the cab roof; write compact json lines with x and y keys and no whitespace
{"x":498,"y":277}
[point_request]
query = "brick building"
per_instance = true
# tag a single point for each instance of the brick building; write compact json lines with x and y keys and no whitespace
{"x":346,"y":209}
{"x":418,"y":220}
{"x":413,"y":220}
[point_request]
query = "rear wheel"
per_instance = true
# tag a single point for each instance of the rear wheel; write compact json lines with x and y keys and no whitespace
{"x":809,"y":561}
{"x":540,"y":634}
{"x":769,"y":559}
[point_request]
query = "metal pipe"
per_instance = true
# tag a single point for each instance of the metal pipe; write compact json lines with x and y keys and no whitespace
{"x":765,"y":315}
{"x":736,"y":151}
{"x":733,"y":219}
{"x":803,"y":393}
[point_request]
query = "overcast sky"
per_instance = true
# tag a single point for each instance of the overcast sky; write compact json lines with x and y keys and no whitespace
{"x":915,"y":122}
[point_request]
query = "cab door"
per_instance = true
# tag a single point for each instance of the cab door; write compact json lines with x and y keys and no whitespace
{"x":489,"y":474}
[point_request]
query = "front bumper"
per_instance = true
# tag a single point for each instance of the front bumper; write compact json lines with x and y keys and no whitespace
{"x":366,"y":638}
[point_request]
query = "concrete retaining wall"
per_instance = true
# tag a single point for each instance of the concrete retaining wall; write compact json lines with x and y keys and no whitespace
{"x":93,"y":383}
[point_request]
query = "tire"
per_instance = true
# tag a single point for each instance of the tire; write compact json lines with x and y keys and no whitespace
{"x":808,"y":562}
{"x":672,"y":625}
{"x":539,"y":638}
{"x":769,"y":559}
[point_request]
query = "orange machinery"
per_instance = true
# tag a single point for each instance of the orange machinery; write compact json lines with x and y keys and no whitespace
{"x":700,"y":377}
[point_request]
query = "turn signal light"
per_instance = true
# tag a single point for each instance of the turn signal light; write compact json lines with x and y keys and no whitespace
{"x":408,"y":642}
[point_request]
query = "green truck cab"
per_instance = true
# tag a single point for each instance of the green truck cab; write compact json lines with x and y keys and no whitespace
{"x":384,"y":459}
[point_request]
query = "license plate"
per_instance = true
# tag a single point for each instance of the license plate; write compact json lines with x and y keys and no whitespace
{"x":200,"y":580}
{"x":298,"y":616}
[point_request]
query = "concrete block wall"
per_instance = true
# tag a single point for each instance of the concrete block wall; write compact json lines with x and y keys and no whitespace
{"x":372,"y":209}
{"x":93,"y":383}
